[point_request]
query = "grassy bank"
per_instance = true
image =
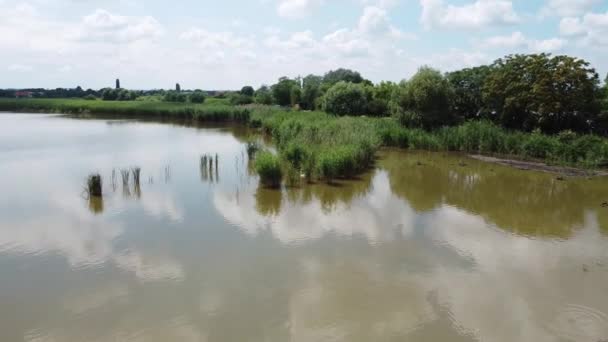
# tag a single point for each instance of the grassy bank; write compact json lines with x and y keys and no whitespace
{"x":212,"y":110}
{"x":324,"y":146}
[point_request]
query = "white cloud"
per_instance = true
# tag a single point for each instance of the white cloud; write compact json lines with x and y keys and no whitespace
{"x":592,"y":28}
{"x":104,"y":26}
{"x":380,"y":3}
{"x":215,"y":40}
{"x":347,"y":43}
{"x":475,"y":15}
{"x":518,"y":40}
{"x":571,"y":27}
{"x":374,"y":19}
{"x":20,"y":68}
{"x":546,"y":45}
{"x":568,"y":8}
{"x":374,"y":35}
{"x":375,"y":22}
{"x":296,"y":8}
{"x":515,"y":40}
{"x":453,"y":59}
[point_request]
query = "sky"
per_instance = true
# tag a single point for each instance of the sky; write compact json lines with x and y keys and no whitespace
{"x":225,"y":44}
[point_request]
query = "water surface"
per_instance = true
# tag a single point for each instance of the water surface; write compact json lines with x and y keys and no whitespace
{"x":426,"y":247}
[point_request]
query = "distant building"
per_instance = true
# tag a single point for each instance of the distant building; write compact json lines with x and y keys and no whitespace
{"x":23,"y":94}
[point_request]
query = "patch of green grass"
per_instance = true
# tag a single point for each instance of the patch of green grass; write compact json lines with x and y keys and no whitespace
{"x":338,"y":147}
{"x":268,"y":167}
{"x":212,"y":110}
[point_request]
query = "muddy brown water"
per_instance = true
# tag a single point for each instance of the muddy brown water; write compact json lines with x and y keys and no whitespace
{"x":425,"y":247}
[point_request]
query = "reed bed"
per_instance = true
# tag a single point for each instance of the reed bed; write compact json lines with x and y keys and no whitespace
{"x":329,"y":147}
{"x":214,"y":111}
{"x":268,"y":167}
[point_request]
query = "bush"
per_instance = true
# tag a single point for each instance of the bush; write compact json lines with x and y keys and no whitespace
{"x":267,"y":165}
{"x":240,"y":99}
{"x":247,"y":91}
{"x":90,"y":97}
{"x":174,"y":96}
{"x":295,"y":155}
{"x":345,"y":99}
{"x":424,"y":101}
{"x":540,"y":146}
{"x":197,"y":97}
{"x":263,"y":96}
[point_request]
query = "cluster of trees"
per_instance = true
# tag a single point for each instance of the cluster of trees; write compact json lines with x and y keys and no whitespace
{"x":523,"y":92}
{"x":119,"y":94}
{"x":196,"y":96}
{"x":51,"y":93}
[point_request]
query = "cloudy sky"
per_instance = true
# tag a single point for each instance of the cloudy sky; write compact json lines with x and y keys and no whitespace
{"x":228,"y":43}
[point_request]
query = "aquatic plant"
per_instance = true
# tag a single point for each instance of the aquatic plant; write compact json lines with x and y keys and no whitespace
{"x":136,"y":171}
{"x":94,"y":185}
{"x":252,"y":148}
{"x":125,"y":177}
{"x":268,"y":167}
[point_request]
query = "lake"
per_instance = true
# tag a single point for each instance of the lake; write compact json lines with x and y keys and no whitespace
{"x":425,"y":247}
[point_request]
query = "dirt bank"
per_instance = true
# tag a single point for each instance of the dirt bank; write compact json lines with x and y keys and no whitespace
{"x":537,"y":166}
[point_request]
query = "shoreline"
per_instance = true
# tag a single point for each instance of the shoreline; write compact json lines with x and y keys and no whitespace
{"x":567,"y":171}
{"x":270,"y":119}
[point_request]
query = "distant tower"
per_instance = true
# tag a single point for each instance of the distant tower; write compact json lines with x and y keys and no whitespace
{"x":177,"y":87}
{"x":117,"y":83}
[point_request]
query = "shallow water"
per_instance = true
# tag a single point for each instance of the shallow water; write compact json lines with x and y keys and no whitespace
{"x":426,"y":247}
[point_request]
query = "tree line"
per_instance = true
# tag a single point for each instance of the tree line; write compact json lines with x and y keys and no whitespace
{"x":524,"y":92}
{"x":521,"y":92}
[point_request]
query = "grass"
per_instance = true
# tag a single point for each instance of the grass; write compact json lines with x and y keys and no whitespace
{"x":268,"y":166}
{"x":216,"y":110}
{"x":329,"y":147}
{"x":318,"y":144}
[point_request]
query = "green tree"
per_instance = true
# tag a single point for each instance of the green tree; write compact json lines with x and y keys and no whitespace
{"x":468,"y":85}
{"x":198,"y":96}
{"x":174,"y":96}
{"x":247,"y":91}
{"x":334,"y":76}
{"x":281,"y":91}
{"x":604,"y":95}
{"x":311,"y":90}
{"x":239,"y":99}
{"x":263,"y":95}
{"x":296,"y":95}
{"x":424,"y":100}
{"x":345,"y":99}
{"x":379,"y":97}
{"x":109,"y":94}
{"x":539,"y":91}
